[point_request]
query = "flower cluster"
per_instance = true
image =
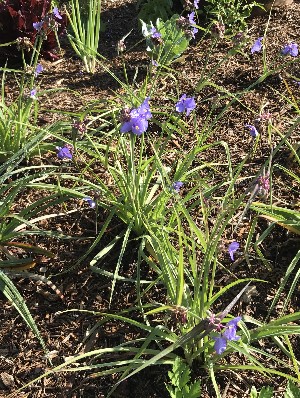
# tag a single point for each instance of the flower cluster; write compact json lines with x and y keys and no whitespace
{"x":228,"y":335}
{"x":289,"y":49}
{"x":185,"y":104}
{"x":263,"y":182}
{"x":49,"y":22}
{"x":190,"y":4}
{"x":218,"y":29}
{"x":188,"y":24}
{"x":136,"y":119}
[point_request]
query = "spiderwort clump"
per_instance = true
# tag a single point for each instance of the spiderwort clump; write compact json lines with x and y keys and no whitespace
{"x":232,"y":248}
{"x":90,"y":202}
{"x":136,"y":119}
{"x":177,"y":185}
{"x":252,"y":129}
{"x":228,"y":335}
{"x":65,"y":152}
{"x":290,"y":49}
{"x":185,"y":105}
{"x":257,"y":46}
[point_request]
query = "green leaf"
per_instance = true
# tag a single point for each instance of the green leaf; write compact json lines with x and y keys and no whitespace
{"x":292,"y":391}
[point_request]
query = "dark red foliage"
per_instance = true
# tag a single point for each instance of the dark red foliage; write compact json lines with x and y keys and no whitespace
{"x":17,"y":18}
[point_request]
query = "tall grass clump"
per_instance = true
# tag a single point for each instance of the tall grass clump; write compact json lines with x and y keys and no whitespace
{"x":181,"y":211}
{"x":85,"y":31}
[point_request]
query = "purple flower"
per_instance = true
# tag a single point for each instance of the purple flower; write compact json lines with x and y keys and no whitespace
{"x":177,"y":186}
{"x":191,"y":17}
{"x":56,"y":13}
{"x":154,"y":33}
{"x":65,"y":152}
{"x":228,"y":335}
{"x":257,"y":46}
{"x":192,"y":22}
{"x":33,"y":94}
{"x":252,"y":130}
{"x":196,"y":4}
{"x":220,"y":345}
{"x":136,"y":120}
{"x":38,"y":25}
{"x":38,"y":70}
{"x":185,"y":104}
{"x":297,"y":83}
{"x":291,"y":49}
{"x":90,"y":202}
{"x":232,"y":248}
{"x":154,"y":63}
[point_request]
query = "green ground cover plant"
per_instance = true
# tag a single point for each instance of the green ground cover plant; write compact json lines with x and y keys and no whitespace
{"x":178,"y":209}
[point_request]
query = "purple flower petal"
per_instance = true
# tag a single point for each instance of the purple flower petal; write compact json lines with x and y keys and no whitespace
{"x":33,"y":94}
{"x":177,"y":186}
{"x":252,"y":129}
{"x":90,"y":202}
{"x":257,"y":46}
{"x":64,"y":153}
{"x":38,"y":25}
{"x":290,"y":49}
{"x":220,"y":345}
{"x":232,"y":248}
{"x":56,"y":13}
{"x":38,"y":70}
{"x":234,"y":321}
{"x":185,"y":104}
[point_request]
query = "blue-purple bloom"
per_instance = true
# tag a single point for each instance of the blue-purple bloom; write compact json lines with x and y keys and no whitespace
{"x":137,"y":119}
{"x":90,"y":202}
{"x":257,"y":46}
{"x":290,"y":49}
{"x":38,"y":25}
{"x":64,"y":152}
{"x":252,"y":129}
{"x":185,"y":104}
{"x":196,"y":4}
{"x":228,"y":335}
{"x":38,"y":70}
{"x":154,"y":33}
{"x":33,"y":94}
{"x":192,"y":22}
{"x":56,"y":13}
{"x":154,"y":63}
{"x":232,"y":248}
{"x":177,"y":185}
